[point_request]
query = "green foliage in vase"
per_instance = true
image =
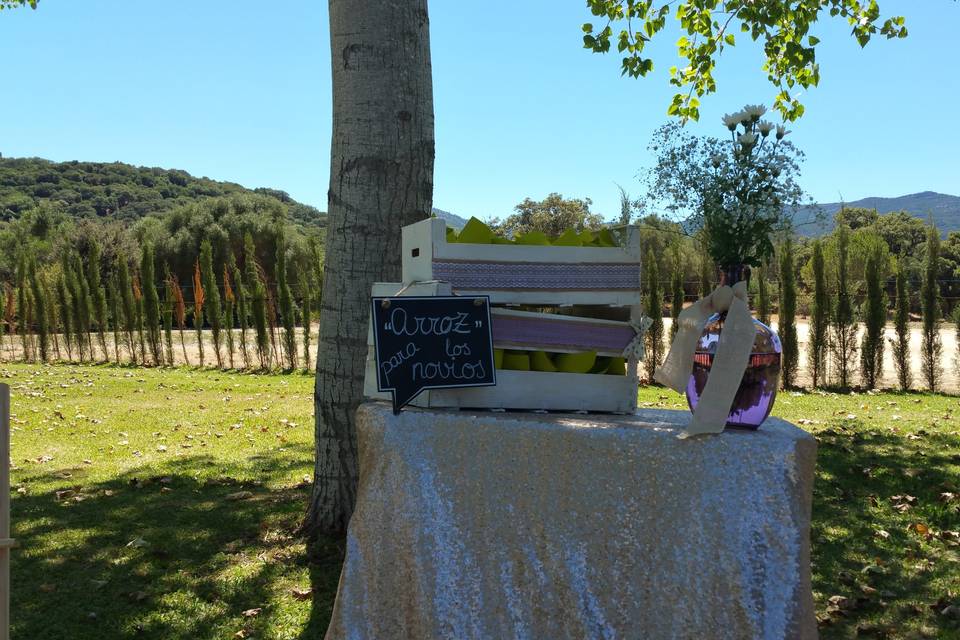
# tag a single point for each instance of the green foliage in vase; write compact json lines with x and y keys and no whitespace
{"x":787,"y":326}
{"x":740,"y":192}
{"x":874,"y":313}
{"x":708,"y":28}
{"x":819,"y":318}
{"x":901,"y":342}
{"x":653,"y":308}
{"x":931,"y":348}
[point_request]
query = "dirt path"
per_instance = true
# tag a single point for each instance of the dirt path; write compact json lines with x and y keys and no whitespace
{"x":10,"y":349}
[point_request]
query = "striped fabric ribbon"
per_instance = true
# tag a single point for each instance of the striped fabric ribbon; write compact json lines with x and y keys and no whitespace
{"x":548,"y":276}
{"x":560,"y":333}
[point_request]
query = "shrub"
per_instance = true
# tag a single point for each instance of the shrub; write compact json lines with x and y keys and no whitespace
{"x":787,"y":327}
{"x":931,"y":349}
{"x":901,"y":344}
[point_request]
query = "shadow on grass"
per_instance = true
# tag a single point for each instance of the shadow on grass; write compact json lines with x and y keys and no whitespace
{"x":873,"y":488}
{"x":175,"y":554}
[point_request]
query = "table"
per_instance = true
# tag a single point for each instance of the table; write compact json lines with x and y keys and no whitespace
{"x":523,"y":525}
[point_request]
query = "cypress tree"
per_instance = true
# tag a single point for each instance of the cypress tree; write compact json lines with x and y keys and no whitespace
{"x":168,"y":305}
{"x":230,"y":301}
{"x":305,"y":287}
{"x":138,"y":318}
{"x":151,"y":303}
{"x":98,"y":296}
{"x":63,"y":300}
{"x":287,"y":307}
{"x":129,"y":306}
{"x":240,"y":291}
{"x":819,"y":318}
{"x":53,"y":317}
{"x":72,"y":303}
{"x":116,"y":316}
{"x":654,"y":310}
{"x":23,"y":306}
{"x":9,"y":316}
{"x":763,"y":296}
{"x":788,"y":316}
{"x":84,"y":305}
{"x":4,"y":289}
{"x":956,"y":337}
{"x":901,"y":344}
{"x":874,"y":319}
{"x":931,"y":347}
{"x":40,"y":313}
{"x":198,"y":300}
{"x":179,"y":313}
{"x":212,"y":295}
{"x":258,"y":300}
{"x":844,"y":326}
{"x":676,"y":292}
{"x":707,"y":269}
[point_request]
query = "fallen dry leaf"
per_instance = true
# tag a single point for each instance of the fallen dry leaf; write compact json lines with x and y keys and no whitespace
{"x":250,"y":613}
{"x":302,"y":594}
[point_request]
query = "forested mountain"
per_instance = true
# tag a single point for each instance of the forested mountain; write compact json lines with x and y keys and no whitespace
{"x":118,"y":191}
{"x":942,"y":208}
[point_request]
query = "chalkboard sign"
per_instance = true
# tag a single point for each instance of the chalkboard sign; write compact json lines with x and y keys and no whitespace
{"x":439,"y":342}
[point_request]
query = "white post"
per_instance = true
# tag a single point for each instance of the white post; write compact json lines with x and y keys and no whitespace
{"x":5,"y":542}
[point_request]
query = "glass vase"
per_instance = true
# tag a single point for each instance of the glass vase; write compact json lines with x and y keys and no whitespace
{"x":758,"y":388}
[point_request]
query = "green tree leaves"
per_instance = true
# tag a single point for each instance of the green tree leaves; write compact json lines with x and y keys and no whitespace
{"x":709,"y":26}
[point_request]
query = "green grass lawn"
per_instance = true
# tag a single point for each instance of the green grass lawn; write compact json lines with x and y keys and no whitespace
{"x":164,"y":504}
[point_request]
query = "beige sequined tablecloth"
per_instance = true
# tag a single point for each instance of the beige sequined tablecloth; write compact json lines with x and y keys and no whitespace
{"x":519,"y":525}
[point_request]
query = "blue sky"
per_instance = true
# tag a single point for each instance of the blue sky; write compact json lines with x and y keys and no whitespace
{"x":240,"y":91}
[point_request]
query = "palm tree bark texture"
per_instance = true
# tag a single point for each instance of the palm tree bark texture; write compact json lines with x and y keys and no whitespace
{"x":381,"y":178}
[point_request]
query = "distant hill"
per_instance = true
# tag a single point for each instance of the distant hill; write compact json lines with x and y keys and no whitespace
{"x":942,"y":208}
{"x":453,"y":220}
{"x":115,"y":190}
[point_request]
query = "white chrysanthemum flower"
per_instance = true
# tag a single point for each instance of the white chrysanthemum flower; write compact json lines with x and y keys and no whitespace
{"x":754,"y":111}
{"x":781,"y":131}
{"x":731,"y":121}
{"x":747,"y":139}
{"x":765,"y":128}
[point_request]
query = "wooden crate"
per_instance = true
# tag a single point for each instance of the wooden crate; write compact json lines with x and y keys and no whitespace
{"x":527,"y":274}
{"x":534,"y":276}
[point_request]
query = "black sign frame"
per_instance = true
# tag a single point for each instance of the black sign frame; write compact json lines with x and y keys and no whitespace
{"x":380,"y":304}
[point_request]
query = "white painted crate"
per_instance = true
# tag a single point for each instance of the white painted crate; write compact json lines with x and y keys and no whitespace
{"x":522,"y":389}
{"x":525,"y":274}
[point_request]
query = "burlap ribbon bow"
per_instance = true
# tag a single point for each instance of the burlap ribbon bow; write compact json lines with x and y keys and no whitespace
{"x":729,"y":362}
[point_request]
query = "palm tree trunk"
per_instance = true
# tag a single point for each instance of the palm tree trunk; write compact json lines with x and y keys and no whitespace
{"x":381,"y":178}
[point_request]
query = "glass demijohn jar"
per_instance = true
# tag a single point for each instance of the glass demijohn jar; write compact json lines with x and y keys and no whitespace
{"x":758,"y":389}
